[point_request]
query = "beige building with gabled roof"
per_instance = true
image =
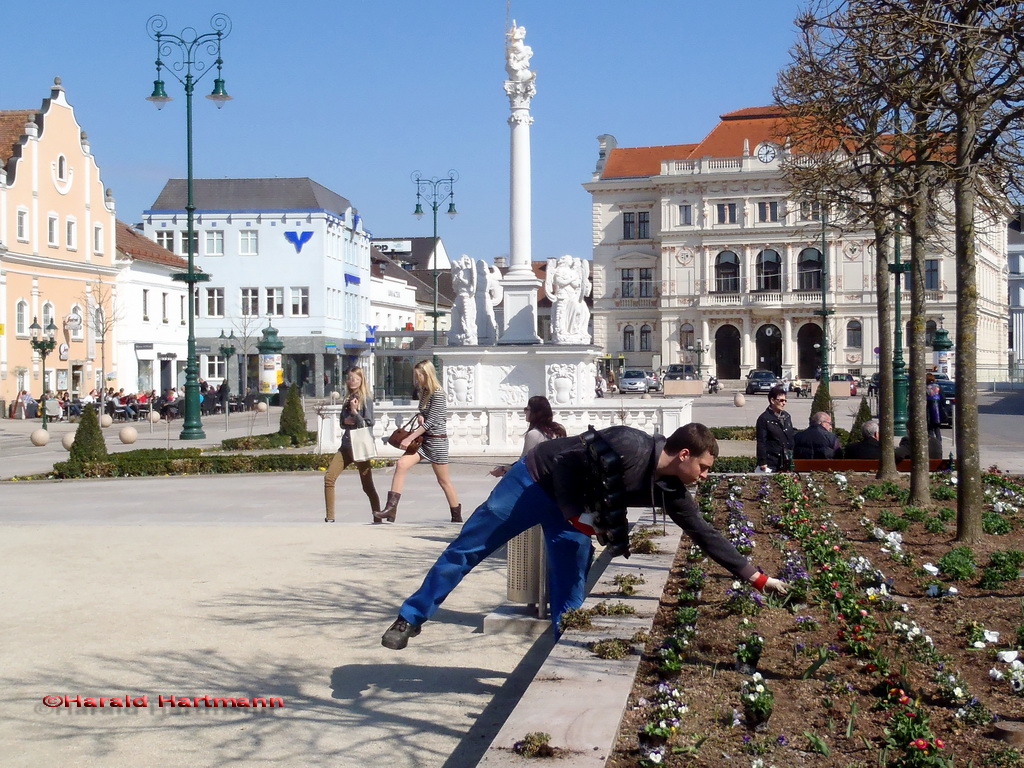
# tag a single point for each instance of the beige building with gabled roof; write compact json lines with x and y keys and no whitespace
{"x":57,"y":241}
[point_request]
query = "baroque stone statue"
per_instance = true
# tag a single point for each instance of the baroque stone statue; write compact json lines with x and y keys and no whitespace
{"x":567,"y":285}
{"x":463,"y":330}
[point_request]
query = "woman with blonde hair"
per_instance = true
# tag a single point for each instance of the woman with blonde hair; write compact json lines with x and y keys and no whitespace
{"x":433,"y":426}
{"x":356,"y":411}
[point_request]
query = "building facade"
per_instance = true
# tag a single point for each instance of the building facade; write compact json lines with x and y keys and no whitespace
{"x":286,"y":252}
{"x":703,"y":257}
{"x":57,"y":252}
{"x":1015,"y":280}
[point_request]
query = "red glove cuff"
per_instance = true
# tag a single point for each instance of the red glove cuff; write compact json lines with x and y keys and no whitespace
{"x":759,"y":581}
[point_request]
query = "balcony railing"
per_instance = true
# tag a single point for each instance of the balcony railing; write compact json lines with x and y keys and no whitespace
{"x":634,"y":303}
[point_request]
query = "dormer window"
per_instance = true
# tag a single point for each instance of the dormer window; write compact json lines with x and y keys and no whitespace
{"x":62,"y":168}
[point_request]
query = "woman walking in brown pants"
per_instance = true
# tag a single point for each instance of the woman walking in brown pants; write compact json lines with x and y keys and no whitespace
{"x":356,"y":411}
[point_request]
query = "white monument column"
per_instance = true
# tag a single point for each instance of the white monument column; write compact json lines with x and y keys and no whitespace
{"x":520,"y":284}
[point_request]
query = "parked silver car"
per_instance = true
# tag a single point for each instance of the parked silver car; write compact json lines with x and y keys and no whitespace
{"x":653,"y":381}
{"x":633,"y":381}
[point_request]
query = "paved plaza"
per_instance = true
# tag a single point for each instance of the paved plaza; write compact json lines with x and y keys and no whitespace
{"x":233,"y":587}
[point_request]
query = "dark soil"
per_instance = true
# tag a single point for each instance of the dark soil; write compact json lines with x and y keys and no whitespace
{"x":822,"y":704}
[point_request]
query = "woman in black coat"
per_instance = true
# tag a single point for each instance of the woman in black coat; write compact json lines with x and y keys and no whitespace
{"x":775,"y":434}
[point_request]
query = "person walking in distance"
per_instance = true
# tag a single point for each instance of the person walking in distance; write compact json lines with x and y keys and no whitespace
{"x":560,"y":485}
{"x":433,"y":426}
{"x":934,"y":395}
{"x":541,"y":427}
{"x":356,"y":411}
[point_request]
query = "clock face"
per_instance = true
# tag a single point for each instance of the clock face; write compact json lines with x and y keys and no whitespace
{"x":766,"y":153}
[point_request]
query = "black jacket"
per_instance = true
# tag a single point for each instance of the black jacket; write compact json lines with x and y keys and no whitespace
{"x":561,"y":468}
{"x":868,"y":448}
{"x":774,"y":438}
{"x":816,"y":442}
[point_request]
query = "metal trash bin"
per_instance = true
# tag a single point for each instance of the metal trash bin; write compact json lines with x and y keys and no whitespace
{"x":527,"y":571}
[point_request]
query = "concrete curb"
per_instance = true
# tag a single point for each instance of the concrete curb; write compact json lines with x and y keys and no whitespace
{"x":577,"y":697}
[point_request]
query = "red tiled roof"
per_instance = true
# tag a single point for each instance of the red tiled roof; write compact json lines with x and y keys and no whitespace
{"x":630,"y":162}
{"x":12,"y":128}
{"x":138,"y":246}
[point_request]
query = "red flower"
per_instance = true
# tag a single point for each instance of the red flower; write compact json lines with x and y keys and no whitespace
{"x":920,"y":743}
{"x":871,"y":668}
{"x":909,"y":713}
{"x":940,"y":744}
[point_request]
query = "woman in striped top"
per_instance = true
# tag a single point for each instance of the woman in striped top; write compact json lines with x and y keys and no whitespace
{"x":433,"y":426}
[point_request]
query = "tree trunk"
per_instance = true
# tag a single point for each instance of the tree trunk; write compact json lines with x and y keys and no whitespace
{"x":920,"y":492}
{"x":886,"y":415}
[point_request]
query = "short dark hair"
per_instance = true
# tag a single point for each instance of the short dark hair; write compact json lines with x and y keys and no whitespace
{"x":776,"y":391}
{"x":694,"y":437}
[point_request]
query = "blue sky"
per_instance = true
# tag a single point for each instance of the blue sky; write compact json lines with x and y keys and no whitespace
{"x":358,"y":95}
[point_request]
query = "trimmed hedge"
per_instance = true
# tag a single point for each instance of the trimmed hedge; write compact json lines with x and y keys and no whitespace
{"x":191,"y":461}
{"x":263,"y":442}
{"x":734,"y":433}
{"x":731,"y":464}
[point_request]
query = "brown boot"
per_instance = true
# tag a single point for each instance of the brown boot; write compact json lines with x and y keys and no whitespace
{"x":456,"y":514}
{"x":390,"y":509}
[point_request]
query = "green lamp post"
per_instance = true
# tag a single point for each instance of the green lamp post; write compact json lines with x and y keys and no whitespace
{"x":900,"y":381}
{"x":43,"y":345}
{"x":435,"y":192}
{"x":195,"y":51}
{"x":227,"y":349}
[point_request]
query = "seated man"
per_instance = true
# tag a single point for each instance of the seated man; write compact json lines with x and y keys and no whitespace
{"x":869,"y":447}
{"x":903,"y":449}
{"x":817,"y":441}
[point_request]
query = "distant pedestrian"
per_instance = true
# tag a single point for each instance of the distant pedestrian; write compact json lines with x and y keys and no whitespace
{"x":541,"y":426}
{"x":356,"y":412}
{"x":600,"y":385}
{"x":869,"y":447}
{"x":934,"y":395}
{"x":433,"y":427}
{"x":817,"y":441}
{"x":774,"y":432}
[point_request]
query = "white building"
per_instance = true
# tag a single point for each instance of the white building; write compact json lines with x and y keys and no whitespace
{"x":1015,"y":257}
{"x":150,"y":315}
{"x":289,"y":252}
{"x":702,"y":243}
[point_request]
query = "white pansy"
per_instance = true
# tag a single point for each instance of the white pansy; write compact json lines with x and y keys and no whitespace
{"x":1007,"y":656}
{"x":991,"y":636}
{"x":978,"y":644}
{"x":995,"y":674}
{"x":932,"y":569}
{"x":953,"y":591}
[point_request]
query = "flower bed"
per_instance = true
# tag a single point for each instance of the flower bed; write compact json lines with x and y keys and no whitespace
{"x":894,"y":648}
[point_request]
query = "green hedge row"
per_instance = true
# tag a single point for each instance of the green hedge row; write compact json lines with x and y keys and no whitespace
{"x":191,"y":461}
{"x":270,"y":441}
{"x":731,"y":464}
{"x":733,"y":433}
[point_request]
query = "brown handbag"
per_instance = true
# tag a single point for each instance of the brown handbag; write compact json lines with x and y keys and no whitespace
{"x":395,"y":438}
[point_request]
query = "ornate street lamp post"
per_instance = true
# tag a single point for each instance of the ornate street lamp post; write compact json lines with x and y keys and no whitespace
{"x":43,"y":345}
{"x":227,"y":349}
{"x":196,"y":52}
{"x":900,"y":382}
{"x":699,"y":351}
{"x":435,"y":192}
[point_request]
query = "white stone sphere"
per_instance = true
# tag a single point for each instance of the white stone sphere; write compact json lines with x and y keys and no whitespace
{"x":68,"y":440}
{"x":154,"y":416}
{"x":40,"y":437}
{"x":128,"y":435}
{"x":335,"y":395}
{"x":106,"y":420}
{"x":645,"y":396}
{"x":262,"y":407}
{"x":739,"y":400}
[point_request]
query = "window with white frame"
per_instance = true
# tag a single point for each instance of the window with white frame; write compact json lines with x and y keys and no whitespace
{"x":215,"y":302}
{"x":165,"y":239}
{"x":854,"y":335}
{"x":249,"y":242}
{"x":48,"y":315}
{"x":726,"y":213}
{"x":768,"y":211}
{"x":275,"y":302}
{"x":628,"y":283}
{"x":216,"y":367}
{"x":145,"y":304}
{"x":71,"y":232}
{"x":77,"y":334}
{"x":686,"y":335}
{"x":62,"y":168}
{"x":21,"y":319}
{"x":628,"y":335}
{"x":250,"y":302}
{"x":645,"y":338}
{"x":163,"y":308}
{"x":810,"y":211}
{"x":184,"y":310}
{"x":97,"y":239}
{"x":300,"y":302}
{"x":215,"y":242}
{"x":643,"y":225}
{"x":52,"y":236}
{"x":629,"y":225}
{"x":184,"y":243}
{"x":23,"y":225}
{"x":685,"y":215}
{"x":646,"y":283}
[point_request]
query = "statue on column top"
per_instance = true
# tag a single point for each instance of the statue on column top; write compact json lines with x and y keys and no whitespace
{"x":518,"y":55}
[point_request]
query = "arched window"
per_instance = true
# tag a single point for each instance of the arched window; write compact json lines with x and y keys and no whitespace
{"x":62,"y":168}
{"x":929,"y":333}
{"x":627,"y":338}
{"x":727,"y":273}
{"x":77,"y":310}
{"x":808,"y":270}
{"x":47,"y":315}
{"x":685,"y":336}
{"x":854,"y":335}
{"x":769,"y":270}
{"x":645,"y":338}
{"x":21,"y":319}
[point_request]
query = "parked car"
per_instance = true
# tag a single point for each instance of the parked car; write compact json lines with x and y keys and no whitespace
{"x":759,"y":380}
{"x":653,"y":382}
{"x":633,"y":381}
{"x":678,"y":372}
{"x":948,"y":402}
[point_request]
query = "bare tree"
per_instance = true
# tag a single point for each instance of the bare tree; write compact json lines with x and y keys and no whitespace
{"x":102,"y":316}
{"x":246,"y":328}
